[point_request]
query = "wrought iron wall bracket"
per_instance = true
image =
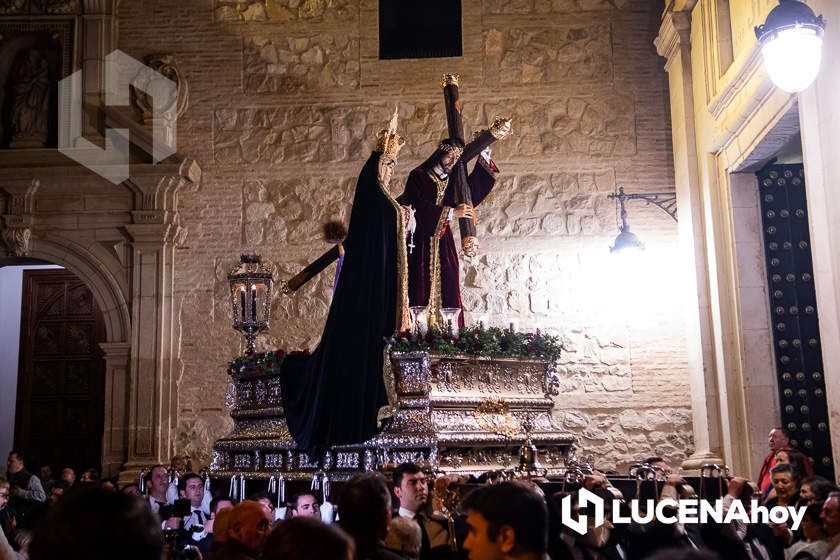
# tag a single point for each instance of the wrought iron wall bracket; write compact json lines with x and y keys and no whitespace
{"x":667,"y":202}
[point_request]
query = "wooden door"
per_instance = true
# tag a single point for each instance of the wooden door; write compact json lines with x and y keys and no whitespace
{"x":61,"y":383}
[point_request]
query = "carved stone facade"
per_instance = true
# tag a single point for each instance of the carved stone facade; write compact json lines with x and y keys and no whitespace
{"x":285,"y":99}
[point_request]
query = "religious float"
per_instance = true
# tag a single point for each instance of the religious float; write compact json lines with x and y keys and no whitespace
{"x":466,"y":402}
{"x":454,"y":412}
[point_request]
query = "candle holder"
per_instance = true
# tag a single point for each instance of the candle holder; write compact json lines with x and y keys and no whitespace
{"x":250,"y":292}
{"x":419,"y":320}
{"x":450,"y":321}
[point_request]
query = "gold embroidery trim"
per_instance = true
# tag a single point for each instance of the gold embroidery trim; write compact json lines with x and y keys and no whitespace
{"x":403,"y":320}
{"x":441,"y":186}
{"x":434,"y":268}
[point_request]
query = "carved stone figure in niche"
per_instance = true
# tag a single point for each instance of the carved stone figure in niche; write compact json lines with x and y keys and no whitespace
{"x":30,"y":107}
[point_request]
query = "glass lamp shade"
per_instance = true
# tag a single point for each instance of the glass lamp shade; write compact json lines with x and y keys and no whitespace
{"x":791,"y":45}
{"x":792,"y":58}
{"x":419,"y":319}
{"x":250,"y":292}
{"x":450,"y":320}
{"x":626,"y":240}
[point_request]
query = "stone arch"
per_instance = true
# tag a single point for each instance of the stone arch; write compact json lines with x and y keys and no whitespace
{"x":97,"y":272}
{"x":106,"y":279}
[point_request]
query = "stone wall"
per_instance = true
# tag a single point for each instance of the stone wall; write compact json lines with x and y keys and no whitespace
{"x":285,"y":99}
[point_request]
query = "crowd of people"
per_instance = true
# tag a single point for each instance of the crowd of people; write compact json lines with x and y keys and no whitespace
{"x":388,"y":519}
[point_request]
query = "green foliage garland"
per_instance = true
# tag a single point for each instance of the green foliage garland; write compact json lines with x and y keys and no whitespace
{"x":478,"y":341}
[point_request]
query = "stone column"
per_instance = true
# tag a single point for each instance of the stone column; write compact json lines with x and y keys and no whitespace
{"x":115,"y":434}
{"x":673,"y":44}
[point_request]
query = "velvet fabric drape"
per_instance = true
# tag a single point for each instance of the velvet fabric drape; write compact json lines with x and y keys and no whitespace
{"x":332,"y":396}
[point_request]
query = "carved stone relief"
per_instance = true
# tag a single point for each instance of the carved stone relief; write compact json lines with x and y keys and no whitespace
{"x":147,"y":90}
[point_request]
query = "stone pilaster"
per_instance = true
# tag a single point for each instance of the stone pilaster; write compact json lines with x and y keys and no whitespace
{"x":153,"y":397}
{"x":673,"y":43}
{"x":115,"y":435}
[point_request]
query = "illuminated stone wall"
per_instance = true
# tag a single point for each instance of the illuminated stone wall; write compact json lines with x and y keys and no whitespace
{"x":285,"y":101}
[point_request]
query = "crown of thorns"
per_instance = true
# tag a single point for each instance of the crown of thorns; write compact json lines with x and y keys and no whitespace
{"x":454,"y":150}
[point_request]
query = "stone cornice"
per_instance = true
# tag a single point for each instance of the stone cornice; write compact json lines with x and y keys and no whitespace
{"x":737,"y":78}
{"x":674,"y":32}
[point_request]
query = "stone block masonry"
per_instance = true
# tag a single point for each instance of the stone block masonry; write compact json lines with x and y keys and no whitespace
{"x":286,"y":97}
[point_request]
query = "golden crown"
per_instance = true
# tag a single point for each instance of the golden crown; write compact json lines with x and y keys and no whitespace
{"x":388,"y":141}
{"x":450,"y":79}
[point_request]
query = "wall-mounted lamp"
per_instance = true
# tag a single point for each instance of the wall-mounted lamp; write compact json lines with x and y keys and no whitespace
{"x":791,"y":44}
{"x":667,"y":202}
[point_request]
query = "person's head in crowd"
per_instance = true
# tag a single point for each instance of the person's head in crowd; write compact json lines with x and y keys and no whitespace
{"x":265,"y":500}
{"x":659,"y":465}
{"x":97,"y":524}
{"x":249,"y":524}
{"x":181,"y":464}
{"x":157,"y":481}
{"x":191,"y":487}
{"x":5,"y":489}
{"x":68,"y":475}
{"x":365,"y":508}
{"x":108,"y":484}
{"x":815,"y":489}
{"x":23,"y":538}
{"x":58,"y":490}
{"x":15,"y":463}
{"x":217,"y":506}
{"x":794,"y":458}
{"x":410,"y":487}
{"x":305,"y":538}
{"x":778,"y":439}
{"x":785,"y":483}
{"x":506,"y":520}
{"x":45,"y":473}
{"x":221,"y":525}
{"x":811,"y":525}
{"x":830,"y":515}
{"x":404,"y":538}
{"x":305,"y":504}
{"x":90,"y":475}
{"x":219,"y":503}
{"x":782,"y":456}
{"x":131,"y":489}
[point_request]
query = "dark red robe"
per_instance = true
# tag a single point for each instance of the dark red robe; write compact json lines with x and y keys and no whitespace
{"x":431,"y":210}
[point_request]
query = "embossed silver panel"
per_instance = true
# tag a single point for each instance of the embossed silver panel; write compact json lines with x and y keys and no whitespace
{"x":454,"y":413}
